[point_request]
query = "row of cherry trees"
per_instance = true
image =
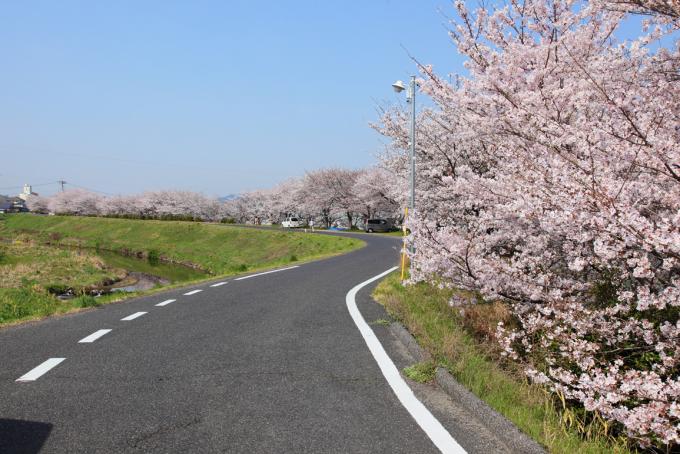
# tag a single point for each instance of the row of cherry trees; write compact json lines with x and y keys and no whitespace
{"x":549,"y":177}
{"x":326,"y":195}
{"x":148,"y":205}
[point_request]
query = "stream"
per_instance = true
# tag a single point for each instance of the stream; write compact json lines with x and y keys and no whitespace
{"x":142,"y":274}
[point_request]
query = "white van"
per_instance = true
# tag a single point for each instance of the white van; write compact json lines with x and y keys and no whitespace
{"x":293,"y":222}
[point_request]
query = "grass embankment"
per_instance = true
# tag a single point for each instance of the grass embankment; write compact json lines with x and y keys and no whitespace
{"x":214,"y":248}
{"x":35,"y":261}
{"x":31,"y":274}
{"x":462,"y":342}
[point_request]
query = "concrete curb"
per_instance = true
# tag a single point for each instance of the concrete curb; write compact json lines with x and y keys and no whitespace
{"x":401,"y":333}
{"x":514,"y":438}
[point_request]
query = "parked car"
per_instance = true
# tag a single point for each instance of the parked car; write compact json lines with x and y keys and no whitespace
{"x":378,"y":225}
{"x":293,"y":222}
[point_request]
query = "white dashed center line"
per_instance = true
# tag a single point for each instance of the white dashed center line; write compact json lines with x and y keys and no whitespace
{"x":193,"y":292}
{"x":218,"y":284}
{"x":36,"y":373}
{"x":94,"y":336}
{"x":266,"y":272}
{"x":165,"y":303}
{"x":132,"y":317}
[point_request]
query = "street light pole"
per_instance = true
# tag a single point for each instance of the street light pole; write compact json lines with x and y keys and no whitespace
{"x":411,"y":99}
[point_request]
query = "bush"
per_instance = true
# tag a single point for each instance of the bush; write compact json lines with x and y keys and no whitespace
{"x":153,"y":256}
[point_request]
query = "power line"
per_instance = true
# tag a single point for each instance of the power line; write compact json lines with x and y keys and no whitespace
{"x":61,"y":183}
{"x":33,"y":185}
{"x":89,"y":189}
{"x":10,"y":187}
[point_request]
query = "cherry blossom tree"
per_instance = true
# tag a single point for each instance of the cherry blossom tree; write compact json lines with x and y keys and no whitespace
{"x":37,"y":204}
{"x":124,"y":206}
{"x":379,"y":193}
{"x":181,"y":205}
{"x":549,"y":177}
{"x":330,"y":192}
{"x":288,"y":198}
{"x":75,"y":202}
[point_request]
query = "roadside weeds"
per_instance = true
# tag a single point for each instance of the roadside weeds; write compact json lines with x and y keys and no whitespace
{"x":474,"y":372}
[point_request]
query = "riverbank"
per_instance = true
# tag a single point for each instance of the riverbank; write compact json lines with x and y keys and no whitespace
{"x":43,"y":255}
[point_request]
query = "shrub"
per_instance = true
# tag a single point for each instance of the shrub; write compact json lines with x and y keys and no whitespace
{"x":153,"y":256}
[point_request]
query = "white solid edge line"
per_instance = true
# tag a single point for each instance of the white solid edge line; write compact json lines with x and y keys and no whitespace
{"x":37,"y":372}
{"x":165,"y":303}
{"x":94,"y":336}
{"x":267,"y":272}
{"x":193,"y":292}
{"x":441,"y":438}
{"x":218,"y":284}
{"x":133,"y":316}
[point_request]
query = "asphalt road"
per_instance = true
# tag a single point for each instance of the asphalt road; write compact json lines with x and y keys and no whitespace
{"x":272,"y":363}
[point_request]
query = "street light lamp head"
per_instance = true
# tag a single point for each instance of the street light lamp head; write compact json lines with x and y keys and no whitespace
{"x":399,"y":86}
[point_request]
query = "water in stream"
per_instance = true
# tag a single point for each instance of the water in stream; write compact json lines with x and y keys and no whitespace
{"x":141,"y":273}
{"x":170,"y":272}
{"x":145,"y":275}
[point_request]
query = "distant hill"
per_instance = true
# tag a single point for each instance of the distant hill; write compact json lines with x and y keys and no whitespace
{"x":228,"y":197}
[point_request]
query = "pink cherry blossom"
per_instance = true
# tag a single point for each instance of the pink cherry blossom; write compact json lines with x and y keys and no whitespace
{"x":549,"y":176}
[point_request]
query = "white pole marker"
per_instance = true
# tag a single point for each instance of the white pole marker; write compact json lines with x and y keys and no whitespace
{"x":267,"y":272}
{"x":165,"y":303}
{"x":94,"y":336}
{"x":133,"y":316}
{"x":441,"y":438}
{"x":42,"y":369}
{"x":193,"y":292}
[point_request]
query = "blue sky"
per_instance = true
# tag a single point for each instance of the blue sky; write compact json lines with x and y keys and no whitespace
{"x":218,"y":97}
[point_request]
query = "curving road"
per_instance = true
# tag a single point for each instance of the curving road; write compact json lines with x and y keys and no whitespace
{"x":271,"y":363}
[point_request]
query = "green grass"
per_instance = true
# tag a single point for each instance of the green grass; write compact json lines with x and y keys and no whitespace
{"x":217,"y":249}
{"x":421,"y":372}
{"x":27,"y":264}
{"x":22,"y":304}
{"x":471,"y":358}
{"x":36,"y":260}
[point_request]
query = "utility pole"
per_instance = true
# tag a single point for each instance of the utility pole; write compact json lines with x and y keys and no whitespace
{"x":62,"y":183}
